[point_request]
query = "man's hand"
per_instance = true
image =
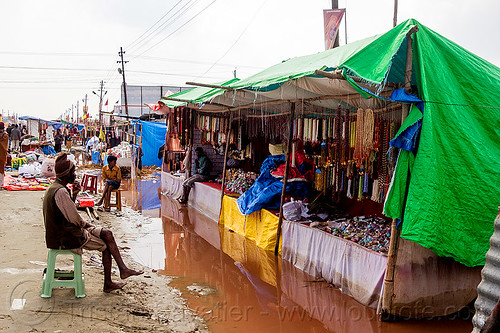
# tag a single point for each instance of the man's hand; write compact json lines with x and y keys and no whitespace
{"x":76,"y":188}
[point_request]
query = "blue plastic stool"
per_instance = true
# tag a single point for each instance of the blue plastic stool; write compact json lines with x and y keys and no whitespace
{"x":72,"y":279}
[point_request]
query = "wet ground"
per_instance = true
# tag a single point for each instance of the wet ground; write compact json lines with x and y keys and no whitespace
{"x":238,"y":287}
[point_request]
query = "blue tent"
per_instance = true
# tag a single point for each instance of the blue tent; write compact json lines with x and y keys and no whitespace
{"x":152,"y":140}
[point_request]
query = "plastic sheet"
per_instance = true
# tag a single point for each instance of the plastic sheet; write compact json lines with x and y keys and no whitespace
{"x":153,"y":136}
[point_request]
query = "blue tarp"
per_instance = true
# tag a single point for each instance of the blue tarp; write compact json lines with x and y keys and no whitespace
{"x":95,"y":157}
{"x":149,"y":193}
{"x":50,"y":123}
{"x":265,"y":192}
{"x":152,"y":140}
{"x":48,"y":150}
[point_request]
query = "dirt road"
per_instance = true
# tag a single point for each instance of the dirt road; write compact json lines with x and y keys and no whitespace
{"x":146,"y":303}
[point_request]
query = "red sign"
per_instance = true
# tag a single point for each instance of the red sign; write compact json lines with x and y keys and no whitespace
{"x":332,"y":18}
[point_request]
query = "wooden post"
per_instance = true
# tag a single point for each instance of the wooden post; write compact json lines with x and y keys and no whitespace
{"x":408,"y":70}
{"x":285,"y":179}
{"x":190,"y":146}
{"x":224,"y":169}
{"x":388,"y":293}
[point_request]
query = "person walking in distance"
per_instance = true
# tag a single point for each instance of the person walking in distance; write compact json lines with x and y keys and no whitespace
{"x":4,"y":146}
{"x":58,"y":140}
{"x":15,"y":136}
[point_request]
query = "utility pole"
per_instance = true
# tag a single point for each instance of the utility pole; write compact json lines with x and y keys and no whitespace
{"x":72,"y":113}
{"x":395,"y":19}
{"x":335,"y":5}
{"x":101,"y":95}
{"x":77,"y":111}
{"x":121,"y":53}
{"x":122,"y":72}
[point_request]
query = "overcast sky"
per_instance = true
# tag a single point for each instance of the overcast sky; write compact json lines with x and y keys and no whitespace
{"x":54,"y":52}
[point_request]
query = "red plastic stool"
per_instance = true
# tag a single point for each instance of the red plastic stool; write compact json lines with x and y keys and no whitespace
{"x":89,"y":183}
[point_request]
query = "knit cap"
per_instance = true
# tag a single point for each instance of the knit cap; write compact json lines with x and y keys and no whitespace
{"x":63,"y":165}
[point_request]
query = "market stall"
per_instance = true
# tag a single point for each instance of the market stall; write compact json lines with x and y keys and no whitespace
{"x":372,"y":143}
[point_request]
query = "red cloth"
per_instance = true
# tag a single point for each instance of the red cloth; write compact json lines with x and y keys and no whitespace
{"x":300,"y":158}
{"x":217,"y":186}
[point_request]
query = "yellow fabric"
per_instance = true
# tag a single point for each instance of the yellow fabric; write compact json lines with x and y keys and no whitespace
{"x":102,"y":136}
{"x":257,"y":261}
{"x":114,"y":174}
{"x":260,"y":226}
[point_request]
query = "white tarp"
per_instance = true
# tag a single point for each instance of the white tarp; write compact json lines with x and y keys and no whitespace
{"x":355,"y":270}
{"x":33,"y":127}
{"x":202,"y":197}
{"x":171,"y":185}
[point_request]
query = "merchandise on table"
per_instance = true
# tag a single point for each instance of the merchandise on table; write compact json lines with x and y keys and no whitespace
{"x":17,"y":162}
{"x":239,"y":181}
{"x":122,"y":150}
{"x":372,"y":233}
{"x":24,"y":184}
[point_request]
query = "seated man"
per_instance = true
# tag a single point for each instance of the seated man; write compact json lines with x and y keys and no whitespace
{"x":201,"y":173}
{"x":65,"y":229}
{"x":112,"y":176}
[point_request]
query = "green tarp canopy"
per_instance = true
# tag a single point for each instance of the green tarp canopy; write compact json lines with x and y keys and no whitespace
{"x":196,"y":95}
{"x":454,"y":187}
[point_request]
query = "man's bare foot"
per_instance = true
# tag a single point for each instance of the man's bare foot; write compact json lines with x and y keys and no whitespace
{"x":113,"y":286}
{"x":129,"y":272}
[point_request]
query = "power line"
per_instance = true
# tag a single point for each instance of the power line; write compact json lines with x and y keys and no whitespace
{"x":194,"y":62}
{"x":70,"y":54}
{"x":176,"y":16}
{"x":138,"y":38}
{"x":183,"y":25}
{"x":236,"y":41}
{"x":53,"y":68}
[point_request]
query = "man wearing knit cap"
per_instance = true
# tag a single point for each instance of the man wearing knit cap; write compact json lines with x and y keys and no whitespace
{"x":4,"y":145}
{"x":65,"y":229}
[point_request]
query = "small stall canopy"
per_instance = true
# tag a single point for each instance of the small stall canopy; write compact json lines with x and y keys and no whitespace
{"x":452,"y":182}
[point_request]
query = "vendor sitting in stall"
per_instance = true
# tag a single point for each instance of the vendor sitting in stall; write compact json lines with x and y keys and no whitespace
{"x":112,"y":177}
{"x":201,"y":173}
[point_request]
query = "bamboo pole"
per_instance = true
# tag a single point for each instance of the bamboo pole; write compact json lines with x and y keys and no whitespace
{"x":215,"y":86}
{"x":190,"y":145}
{"x":408,"y":70}
{"x":388,"y":293}
{"x":285,"y":179}
{"x":224,"y":169}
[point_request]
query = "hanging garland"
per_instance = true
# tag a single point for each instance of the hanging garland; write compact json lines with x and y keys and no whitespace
{"x":358,"y":146}
{"x":368,"y":129}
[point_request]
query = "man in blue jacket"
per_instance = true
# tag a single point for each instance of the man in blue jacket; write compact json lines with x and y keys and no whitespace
{"x":201,"y":173}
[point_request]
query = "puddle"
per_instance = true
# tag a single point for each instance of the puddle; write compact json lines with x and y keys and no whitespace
{"x":141,"y":195}
{"x":237,"y":287}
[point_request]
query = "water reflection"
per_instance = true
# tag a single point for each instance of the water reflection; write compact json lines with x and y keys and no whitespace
{"x":142,"y":195}
{"x":238,"y":287}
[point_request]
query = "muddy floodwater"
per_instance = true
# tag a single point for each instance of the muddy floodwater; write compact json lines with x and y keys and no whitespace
{"x":238,"y":287}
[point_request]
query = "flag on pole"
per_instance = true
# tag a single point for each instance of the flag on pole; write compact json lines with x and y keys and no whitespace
{"x":106,"y":102}
{"x":102,"y":137}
